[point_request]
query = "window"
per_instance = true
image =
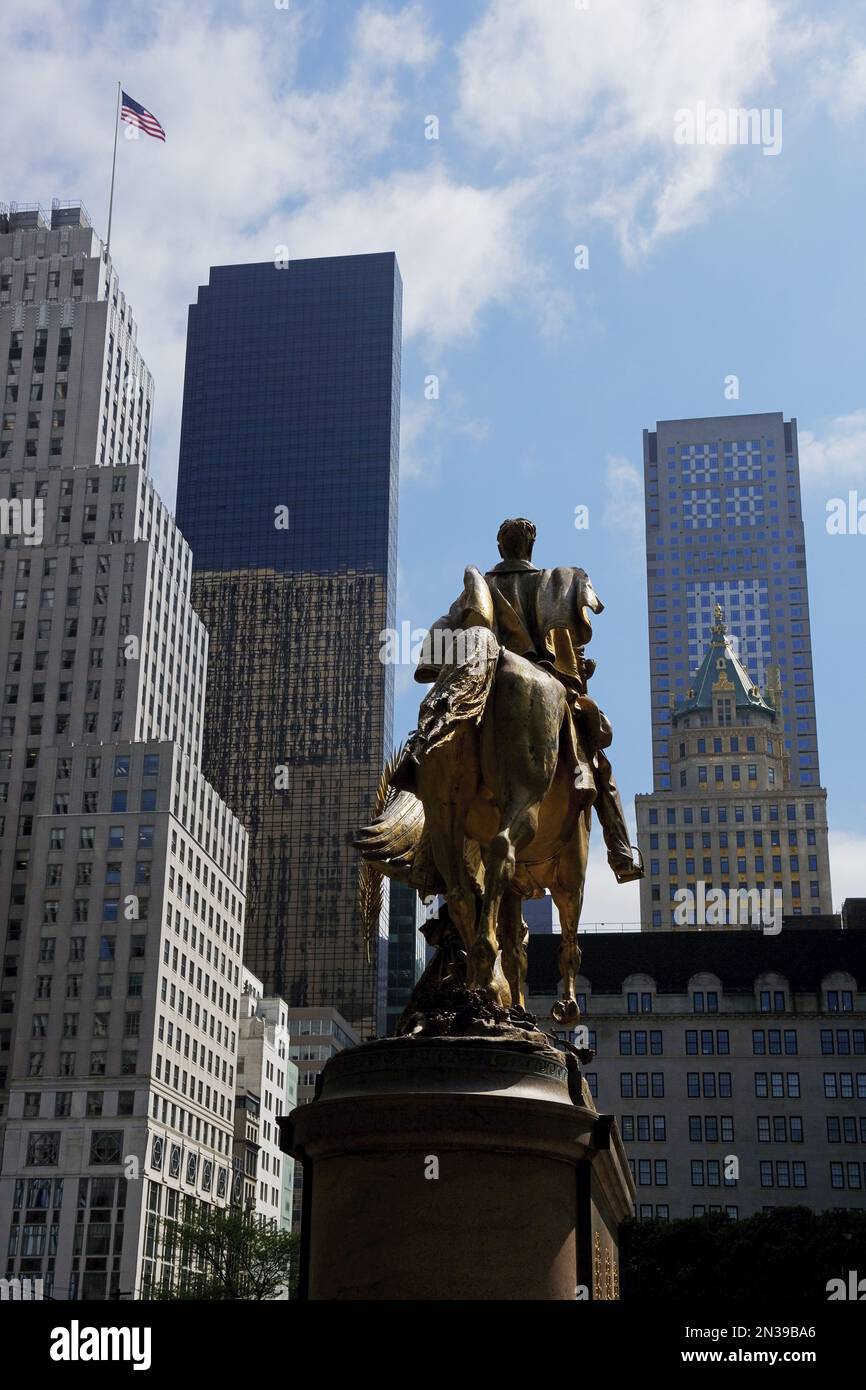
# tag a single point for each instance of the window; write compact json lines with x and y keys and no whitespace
{"x":106,"y":1146}
{"x":43,"y":1148}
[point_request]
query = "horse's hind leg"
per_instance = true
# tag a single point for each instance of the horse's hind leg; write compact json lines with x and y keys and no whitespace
{"x":518,"y":822}
{"x":519,"y":750}
{"x":445,"y":806}
{"x":567,"y":892}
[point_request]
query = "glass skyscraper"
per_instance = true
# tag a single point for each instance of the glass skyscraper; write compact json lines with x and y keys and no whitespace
{"x":287,"y":493}
{"x":737,"y":803}
{"x":724,"y":525}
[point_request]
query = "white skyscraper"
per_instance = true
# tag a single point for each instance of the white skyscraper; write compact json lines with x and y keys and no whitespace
{"x":122,"y":873}
{"x":265,"y":1073}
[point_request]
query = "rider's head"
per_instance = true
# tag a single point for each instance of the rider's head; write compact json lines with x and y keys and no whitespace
{"x":516,"y":539}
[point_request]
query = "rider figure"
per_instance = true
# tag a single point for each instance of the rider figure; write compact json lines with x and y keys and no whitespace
{"x":523,"y":621}
{"x":516,"y":628}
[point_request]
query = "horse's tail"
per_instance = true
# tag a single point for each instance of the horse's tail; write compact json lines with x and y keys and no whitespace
{"x":389,"y":842}
{"x":387,"y":846}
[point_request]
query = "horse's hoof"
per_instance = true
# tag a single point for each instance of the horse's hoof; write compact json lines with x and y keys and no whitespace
{"x":565,"y":1012}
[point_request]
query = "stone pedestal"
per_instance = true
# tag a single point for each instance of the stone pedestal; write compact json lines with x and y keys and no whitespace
{"x":458,"y":1168}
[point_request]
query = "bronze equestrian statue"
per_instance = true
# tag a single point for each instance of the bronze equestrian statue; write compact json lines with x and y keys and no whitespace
{"x":490,"y":802}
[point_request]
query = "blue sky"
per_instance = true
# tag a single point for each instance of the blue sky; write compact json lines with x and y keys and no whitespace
{"x":305,"y":126}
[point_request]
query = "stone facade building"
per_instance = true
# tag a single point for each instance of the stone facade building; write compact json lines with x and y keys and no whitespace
{"x":122,"y":872}
{"x":733,"y":819}
{"x":712,"y":1046}
{"x":266,"y":1076}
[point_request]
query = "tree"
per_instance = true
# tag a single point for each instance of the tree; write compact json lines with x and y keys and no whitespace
{"x":789,"y":1253}
{"x":223,"y":1254}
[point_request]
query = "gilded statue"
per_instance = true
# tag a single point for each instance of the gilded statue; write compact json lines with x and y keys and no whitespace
{"x":491,"y":800}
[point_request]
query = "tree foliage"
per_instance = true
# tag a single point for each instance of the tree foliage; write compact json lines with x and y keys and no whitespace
{"x":224,"y":1254}
{"x":789,"y":1253}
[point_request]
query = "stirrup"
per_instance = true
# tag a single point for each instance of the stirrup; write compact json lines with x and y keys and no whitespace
{"x":635,"y":872}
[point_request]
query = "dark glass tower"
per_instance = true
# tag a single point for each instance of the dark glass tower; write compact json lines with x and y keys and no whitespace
{"x":287,"y":493}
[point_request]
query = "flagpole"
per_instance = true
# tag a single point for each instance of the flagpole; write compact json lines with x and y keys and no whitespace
{"x":113,"y":163}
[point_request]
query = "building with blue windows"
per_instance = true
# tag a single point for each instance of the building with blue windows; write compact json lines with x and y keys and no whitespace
{"x":737,"y":802}
{"x":406,"y":952}
{"x":288,"y":495}
{"x":724,"y":525}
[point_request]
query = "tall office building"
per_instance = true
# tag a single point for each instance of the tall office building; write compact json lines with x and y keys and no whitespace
{"x":736,"y":802}
{"x":407,"y":950}
{"x":288,"y":495}
{"x":122,"y":873}
{"x":724,"y":525}
{"x":541,"y":916}
{"x":267,"y":1077}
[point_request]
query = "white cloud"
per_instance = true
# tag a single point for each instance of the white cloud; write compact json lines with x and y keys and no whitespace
{"x":607,"y":903}
{"x":460,"y":247}
{"x":847,"y":865}
{"x":838,"y":78}
{"x":385,"y":37}
{"x":836,"y":457}
{"x":623,"y":510}
{"x":253,"y":159}
{"x":556,"y":102}
{"x":428,"y":426}
{"x":587,"y":98}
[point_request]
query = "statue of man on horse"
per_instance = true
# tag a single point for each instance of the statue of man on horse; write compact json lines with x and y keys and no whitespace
{"x":490,"y":802}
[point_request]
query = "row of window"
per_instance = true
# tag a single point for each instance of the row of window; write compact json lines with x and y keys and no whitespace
{"x":93,"y":1107}
{"x":732,"y":743}
{"x":739,"y":816}
{"x":43,"y":1147}
{"x":707,"y":1001}
{"x":709,"y":1172}
{"x":96,"y":1025}
{"x":734,"y":775}
{"x":67,"y":1065}
{"x":643,"y":1042}
{"x":721,"y":838}
{"x":715,"y":1129}
{"x":775,"y":1085}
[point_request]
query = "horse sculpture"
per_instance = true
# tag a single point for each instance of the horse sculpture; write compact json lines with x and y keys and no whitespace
{"x":491,"y":803}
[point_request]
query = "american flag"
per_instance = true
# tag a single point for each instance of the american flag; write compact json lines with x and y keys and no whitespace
{"x":135,"y":114}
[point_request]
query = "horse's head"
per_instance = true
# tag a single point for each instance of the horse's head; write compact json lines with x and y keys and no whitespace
{"x":586,"y":601}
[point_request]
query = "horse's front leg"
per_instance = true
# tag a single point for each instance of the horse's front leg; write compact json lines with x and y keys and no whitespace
{"x":513,"y":936}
